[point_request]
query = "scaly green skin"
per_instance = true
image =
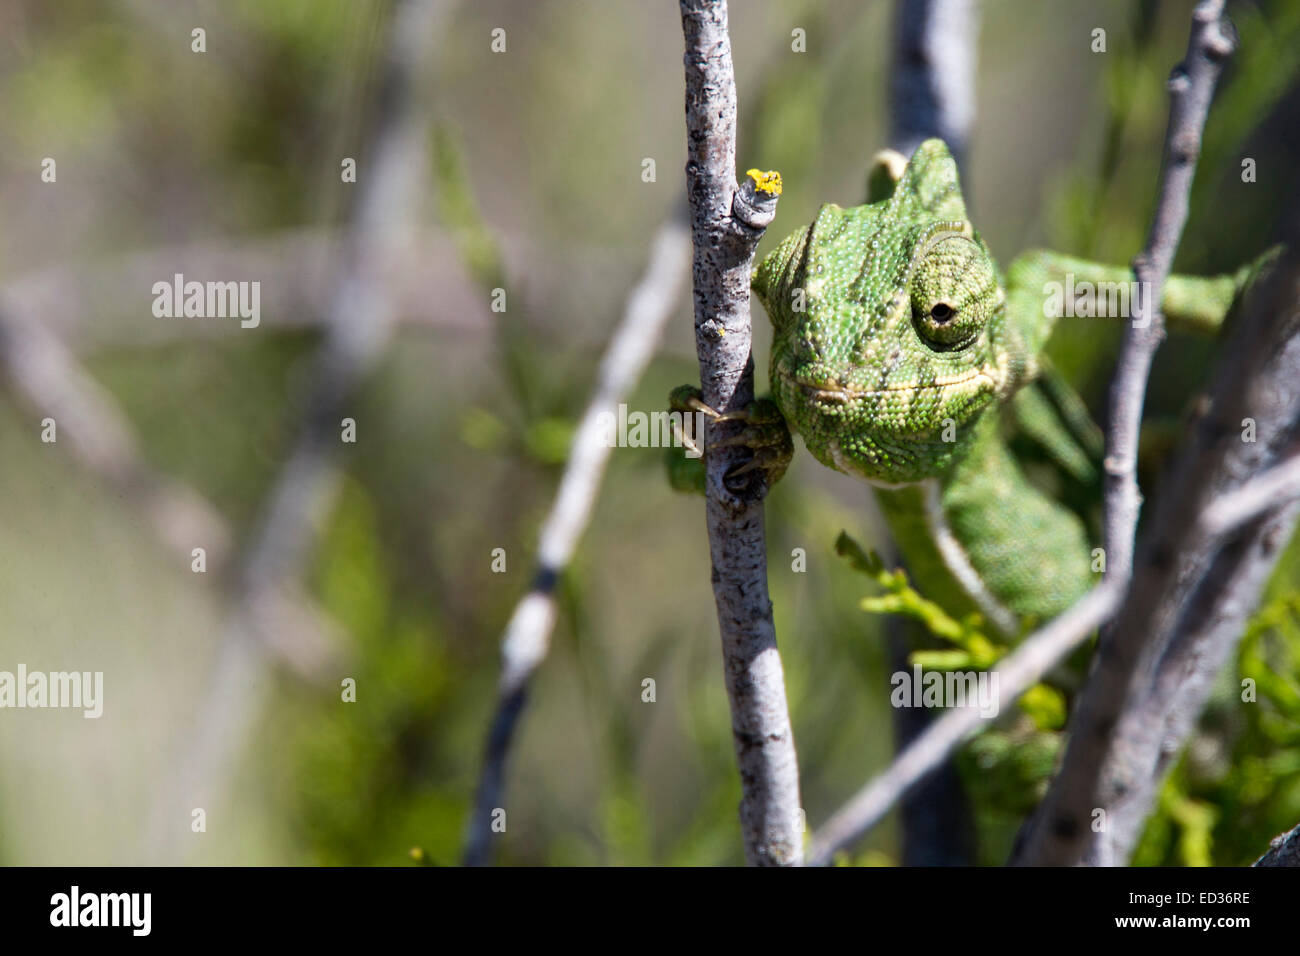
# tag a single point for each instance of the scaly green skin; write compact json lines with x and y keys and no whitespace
{"x":897,"y":341}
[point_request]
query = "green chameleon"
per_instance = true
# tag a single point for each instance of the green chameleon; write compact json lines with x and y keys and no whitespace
{"x":904,"y":356}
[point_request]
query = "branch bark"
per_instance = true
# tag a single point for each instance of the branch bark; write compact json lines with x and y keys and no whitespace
{"x":1023,"y":668}
{"x":1193,"y":592}
{"x":932,"y":94}
{"x":1191,"y":87}
{"x":1218,"y":608}
{"x":1061,"y":832}
{"x":932,"y":85}
{"x":1277,"y":486}
{"x":726,"y":225}
{"x":527,"y":635}
{"x":1283,"y":850}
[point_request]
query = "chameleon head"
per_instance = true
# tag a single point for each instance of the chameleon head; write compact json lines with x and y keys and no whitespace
{"x":889,"y":328}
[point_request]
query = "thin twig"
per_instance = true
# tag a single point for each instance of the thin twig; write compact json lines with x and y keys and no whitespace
{"x":1072,"y":796}
{"x":726,"y":225}
{"x":1191,"y":87}
{"x":527,"y":635}
{"x":1276,"y":487}
{"x":1027,"y":665}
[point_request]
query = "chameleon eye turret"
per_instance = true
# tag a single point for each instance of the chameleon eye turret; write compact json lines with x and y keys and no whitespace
{"x":954,"y":293}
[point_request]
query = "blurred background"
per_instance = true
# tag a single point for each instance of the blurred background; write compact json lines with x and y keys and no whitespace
{"x":522,"y":170}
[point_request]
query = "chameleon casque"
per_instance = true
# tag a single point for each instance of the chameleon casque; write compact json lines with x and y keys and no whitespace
{"x":903,"y":355}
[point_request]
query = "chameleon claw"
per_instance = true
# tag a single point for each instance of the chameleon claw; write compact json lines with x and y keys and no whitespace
{"x":688,"y":398}
{"x":762,"y":461}
{"x":764,"y":434}
{"x":770,"y":464}
{"x":688,"y":441}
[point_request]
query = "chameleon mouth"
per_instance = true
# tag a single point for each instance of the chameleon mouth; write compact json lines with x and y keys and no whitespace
{"x":829,"y":396}
{"x":842,"y":395}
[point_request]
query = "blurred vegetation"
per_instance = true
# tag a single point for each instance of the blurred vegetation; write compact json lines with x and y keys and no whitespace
{"x":536,"y":177}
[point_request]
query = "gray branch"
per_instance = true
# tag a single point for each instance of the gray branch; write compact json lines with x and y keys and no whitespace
{"x":1191,"y":87}
{"x":1283,"y":850}
{"x":1026,"y":666}
{"x":932,"y":85}
{"x":1188,"y":614}
{"x":1279,"y":485}
{"x":1063,"y":827}
{"x":726,"y":225}
{"x":528,"y":633}
{"x":932,"y":93}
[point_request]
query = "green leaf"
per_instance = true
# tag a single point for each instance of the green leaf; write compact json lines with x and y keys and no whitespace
{"x":1045,"y":706}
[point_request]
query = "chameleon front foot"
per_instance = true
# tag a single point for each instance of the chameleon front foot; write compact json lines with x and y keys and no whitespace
{"x":763,"y":433}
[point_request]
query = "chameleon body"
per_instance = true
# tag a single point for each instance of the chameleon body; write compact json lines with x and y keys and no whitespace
{"x":900,"y":350}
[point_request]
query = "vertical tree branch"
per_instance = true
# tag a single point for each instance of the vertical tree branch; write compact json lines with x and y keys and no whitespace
{"x":1059,"y":832}
{"x":528,"y":633}
{"x":726,"y":225}
{"x":1191,"y":87}
{"x":932,"y":84}
{"x":932,"y":94}
{"x":1193,"y":592}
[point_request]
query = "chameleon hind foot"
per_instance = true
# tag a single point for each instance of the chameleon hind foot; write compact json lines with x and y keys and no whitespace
{"x":763,"y":433}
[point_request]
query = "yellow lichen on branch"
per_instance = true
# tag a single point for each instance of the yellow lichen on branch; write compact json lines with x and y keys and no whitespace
{"x":768,"y":182}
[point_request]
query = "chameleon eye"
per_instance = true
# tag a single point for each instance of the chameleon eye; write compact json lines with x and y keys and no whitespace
{"x":943,"y":325}
{"x":952,"y":291}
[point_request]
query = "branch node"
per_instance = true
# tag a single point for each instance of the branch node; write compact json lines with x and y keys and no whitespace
{"x":753,"y":207}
